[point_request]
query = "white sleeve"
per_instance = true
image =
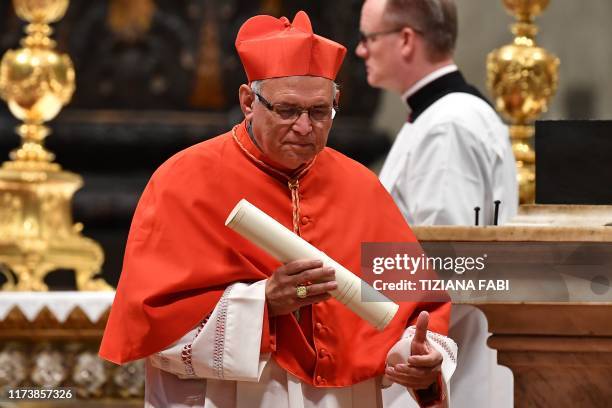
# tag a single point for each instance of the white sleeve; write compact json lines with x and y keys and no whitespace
{"x":400,"y":352}
{"x":226,"y":344}
{"x":447,"y":177}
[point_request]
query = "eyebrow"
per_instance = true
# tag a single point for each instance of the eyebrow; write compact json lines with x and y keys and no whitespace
{"x":319,"y":105}
{"x":318,"y":100}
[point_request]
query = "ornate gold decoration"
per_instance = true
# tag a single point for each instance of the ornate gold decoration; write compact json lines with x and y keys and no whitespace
{"x":13,"y":365}
{"x":49,"y":370}
{"x":89,"y":374}
{"x":523,"y":78}
{"x":43,"y":351}
{"x":301,"y":291}
{"x":44,"y":364}
{"x":129,"y":379}
{"x":37,"y":234}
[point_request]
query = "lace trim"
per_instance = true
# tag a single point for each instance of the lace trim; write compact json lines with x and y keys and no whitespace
{"x":219,"y":343}
{"x":186,"y":352}
{"x":441,"y":340}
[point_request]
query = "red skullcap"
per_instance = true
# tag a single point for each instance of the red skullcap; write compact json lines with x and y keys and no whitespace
{"x":272,"y":47}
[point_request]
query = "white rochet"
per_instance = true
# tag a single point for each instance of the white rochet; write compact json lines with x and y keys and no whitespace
{"x":285,"y":246}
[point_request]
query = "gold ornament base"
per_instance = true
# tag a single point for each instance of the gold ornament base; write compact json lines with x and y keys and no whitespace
{"x":522,"y":78}
{"x":524,"y":154}
{"x":37,"y":232}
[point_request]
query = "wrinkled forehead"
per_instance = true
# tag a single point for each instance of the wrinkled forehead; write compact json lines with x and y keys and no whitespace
{"x":307,"y":87}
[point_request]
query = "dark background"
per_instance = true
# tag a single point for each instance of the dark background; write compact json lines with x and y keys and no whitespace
{"x":574,"y":162}
{"x":156,"y":77}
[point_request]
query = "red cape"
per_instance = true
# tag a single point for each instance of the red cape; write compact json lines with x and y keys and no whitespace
{"x":180,"y":257}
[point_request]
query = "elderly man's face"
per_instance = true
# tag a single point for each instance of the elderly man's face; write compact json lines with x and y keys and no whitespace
{"x":291,"y":142}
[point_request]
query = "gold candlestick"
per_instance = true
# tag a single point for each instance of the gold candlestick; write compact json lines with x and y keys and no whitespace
{"x":37,"y":234}
{"x":523,"y":78}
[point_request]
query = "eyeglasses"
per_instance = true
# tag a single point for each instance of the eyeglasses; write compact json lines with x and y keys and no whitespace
{"x":364,"y":38}
{"x":291,"y":113}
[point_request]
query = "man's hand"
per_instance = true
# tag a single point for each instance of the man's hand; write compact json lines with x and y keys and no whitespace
{"x":281,"y":292}
{"x":424,"y":364}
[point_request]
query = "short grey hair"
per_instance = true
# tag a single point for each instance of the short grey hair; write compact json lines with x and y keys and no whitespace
{"x":256,"y":87}
{"x":436,"y":20}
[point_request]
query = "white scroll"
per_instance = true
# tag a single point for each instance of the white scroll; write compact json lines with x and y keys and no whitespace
{"x":271,"y":236}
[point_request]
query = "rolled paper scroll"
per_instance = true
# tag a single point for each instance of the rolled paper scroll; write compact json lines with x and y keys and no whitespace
{"x":271,"y":236}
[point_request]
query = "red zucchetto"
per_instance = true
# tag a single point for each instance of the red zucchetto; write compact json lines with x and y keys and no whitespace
{"x":271,"y":47}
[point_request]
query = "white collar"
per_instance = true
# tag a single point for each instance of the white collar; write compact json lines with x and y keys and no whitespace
{"x":432,"y":76}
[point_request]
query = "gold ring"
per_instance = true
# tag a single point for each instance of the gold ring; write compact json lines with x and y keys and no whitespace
{"x":301,"y":291}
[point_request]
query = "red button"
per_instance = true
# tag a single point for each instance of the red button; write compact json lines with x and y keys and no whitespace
{"x":318,"y":379}
{"x":322,"y":353}
{"x":305,"y":220}
{"x":319,"y":326}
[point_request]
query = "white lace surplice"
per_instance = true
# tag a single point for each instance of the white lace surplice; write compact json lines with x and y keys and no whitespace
{"x":218,"y":365}
{"x":454,"y":157}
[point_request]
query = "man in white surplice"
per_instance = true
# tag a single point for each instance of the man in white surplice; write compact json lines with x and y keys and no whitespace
{"x":451,"y":156}
{"x":219,"y":322}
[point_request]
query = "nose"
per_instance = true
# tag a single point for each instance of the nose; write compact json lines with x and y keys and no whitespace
{"x":303,"y":124}
{"x":361,"y":50}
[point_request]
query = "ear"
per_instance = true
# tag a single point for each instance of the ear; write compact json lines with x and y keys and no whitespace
{"x":246,"y":98}
{"x":337,"y":98}
{"x":409,"y":40}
